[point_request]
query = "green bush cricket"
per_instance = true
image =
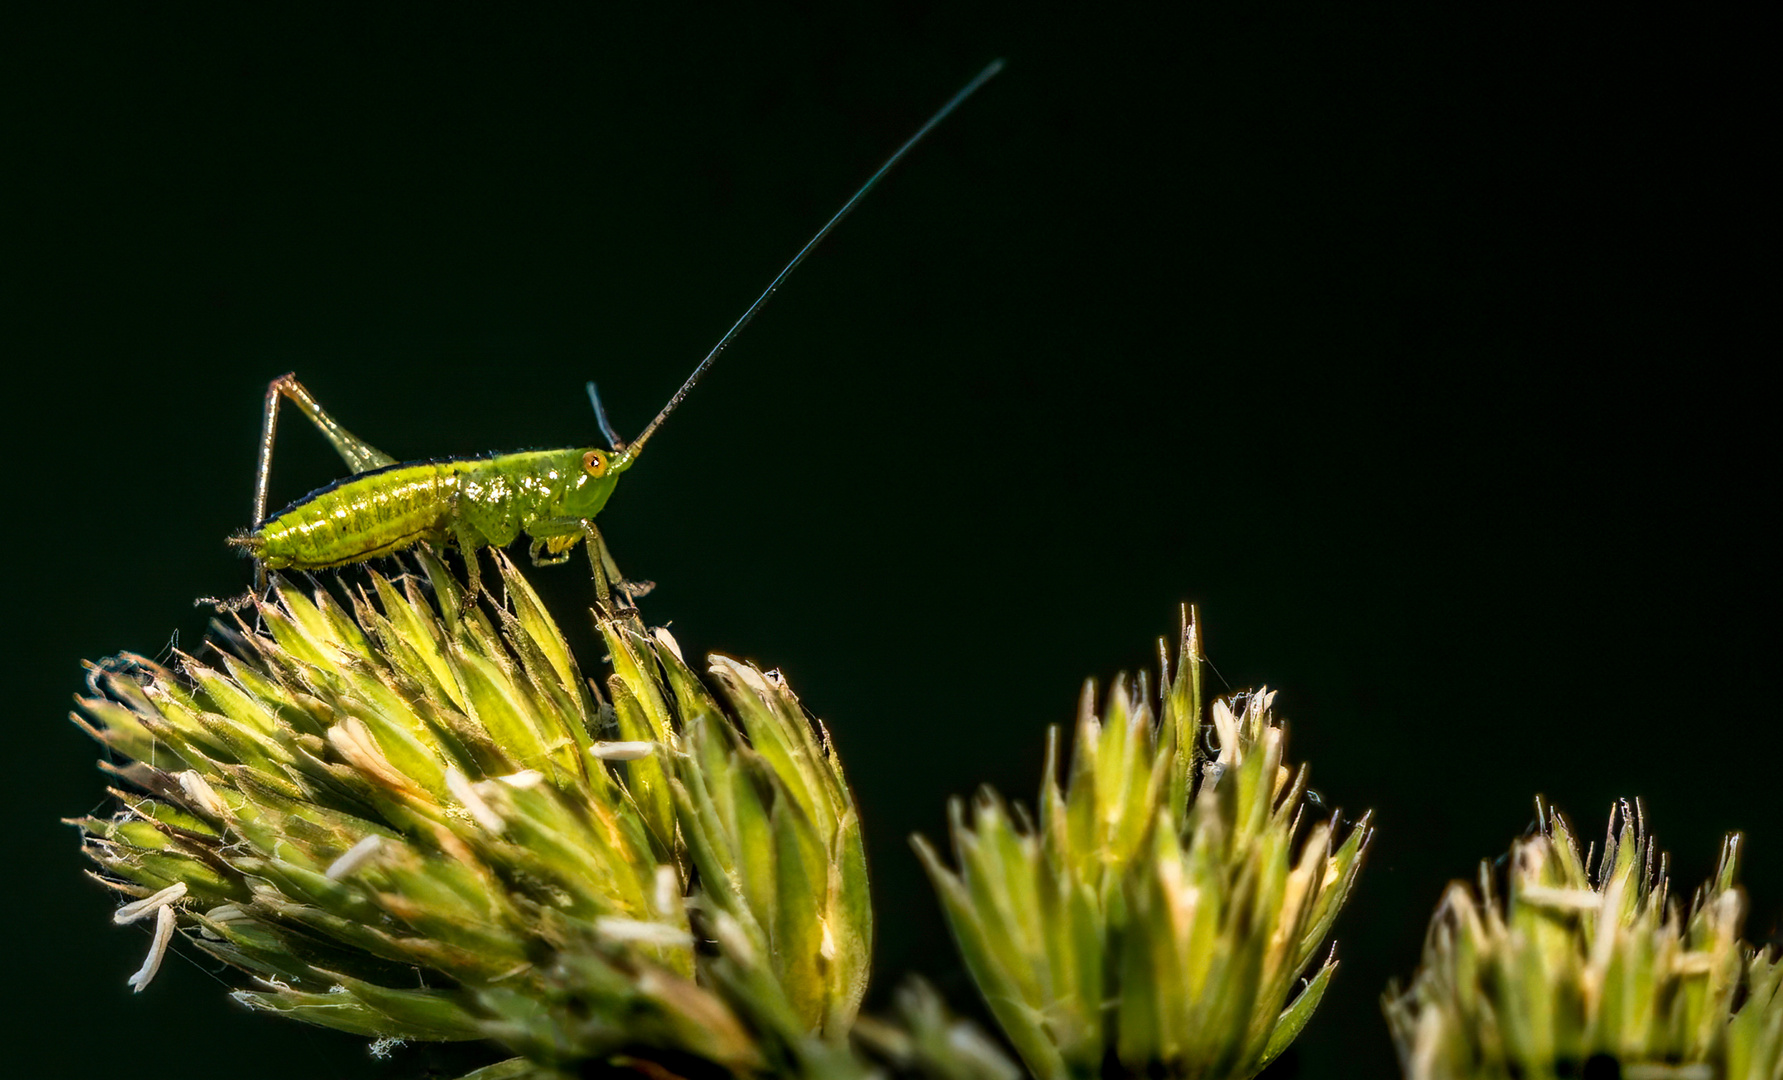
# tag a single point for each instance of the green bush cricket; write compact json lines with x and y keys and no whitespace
{"x":489,"y":500}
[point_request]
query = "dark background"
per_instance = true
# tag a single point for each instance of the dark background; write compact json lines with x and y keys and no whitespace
{"x":1422,"y":354}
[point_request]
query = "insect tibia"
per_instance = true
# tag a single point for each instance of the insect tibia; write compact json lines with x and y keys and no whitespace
{"x":251,"y":545}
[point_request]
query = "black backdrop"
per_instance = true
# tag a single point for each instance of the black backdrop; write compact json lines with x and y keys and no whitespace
{"x":1418,"y":352}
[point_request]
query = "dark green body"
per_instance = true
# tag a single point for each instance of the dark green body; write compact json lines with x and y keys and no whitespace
{"x":473,"y":502}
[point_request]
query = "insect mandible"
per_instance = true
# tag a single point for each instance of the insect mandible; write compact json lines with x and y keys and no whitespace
{"x":552,"y":496}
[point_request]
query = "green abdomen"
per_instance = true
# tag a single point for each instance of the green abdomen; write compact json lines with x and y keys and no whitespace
{"x":372,"y":514}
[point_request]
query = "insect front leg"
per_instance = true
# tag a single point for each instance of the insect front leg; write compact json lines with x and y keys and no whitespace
{"x":600,"y":561}
{"x":552,"y":550}
{"x":554,"y":537}
{"x":600,"y":558}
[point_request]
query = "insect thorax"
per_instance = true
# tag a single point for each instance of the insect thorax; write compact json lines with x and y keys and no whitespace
{"x":505,"y":495}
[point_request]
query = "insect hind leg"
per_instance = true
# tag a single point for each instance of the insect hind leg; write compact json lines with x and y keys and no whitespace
{"x":359,"y":455}
{"x":251,"y":545}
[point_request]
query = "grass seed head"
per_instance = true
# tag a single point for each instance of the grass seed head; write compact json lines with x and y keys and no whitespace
{"x":419,"y":826}
{"x":1165,"y":913}
{"x":1555,"y":960}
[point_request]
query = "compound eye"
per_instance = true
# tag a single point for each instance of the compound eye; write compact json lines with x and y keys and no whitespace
{"x":594,"y":463}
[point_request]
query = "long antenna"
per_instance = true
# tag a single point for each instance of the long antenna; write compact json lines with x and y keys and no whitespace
{"x":631,"y":450}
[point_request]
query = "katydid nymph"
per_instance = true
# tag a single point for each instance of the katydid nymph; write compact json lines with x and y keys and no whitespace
{"x":552,"y":496}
